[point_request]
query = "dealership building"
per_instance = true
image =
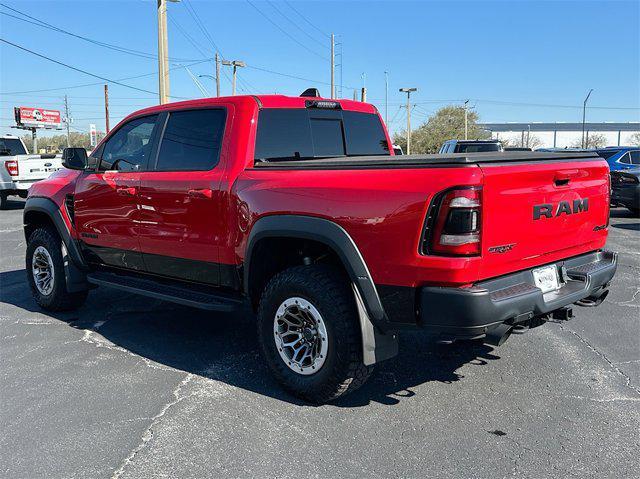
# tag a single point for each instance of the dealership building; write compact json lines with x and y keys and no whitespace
{"x":561,"y":135}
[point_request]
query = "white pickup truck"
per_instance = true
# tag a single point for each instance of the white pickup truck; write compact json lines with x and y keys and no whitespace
{"x":19,"y":170}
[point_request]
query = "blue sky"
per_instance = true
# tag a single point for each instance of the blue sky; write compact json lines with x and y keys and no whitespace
{"x":515,"y":60}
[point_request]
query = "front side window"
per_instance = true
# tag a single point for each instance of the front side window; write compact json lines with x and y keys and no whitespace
{"x":191,"y":140}
{"x":129,"y":148}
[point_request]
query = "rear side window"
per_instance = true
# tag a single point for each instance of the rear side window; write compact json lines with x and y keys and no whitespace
{"x":191,"y":140}
{"x":364,"y":134}
{"x":635,"y":157}
{"x":625,"y":159}
{"x":290,"y":134}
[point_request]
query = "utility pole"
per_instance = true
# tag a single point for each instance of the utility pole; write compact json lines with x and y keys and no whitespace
{"x":584,"y":115}
{"x":408,"y":91}
{"x":163,"y":52}
{"x":106,"y":108}
{"x":235,"y":64}
{"x":67,"y":119}
{"x":217,"y":74}
{"x":333,"y":66}
{"x":466,"y":123}
{"x":386,"y":98}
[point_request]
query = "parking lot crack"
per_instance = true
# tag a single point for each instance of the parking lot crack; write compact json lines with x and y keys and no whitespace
{"x":148,"y":433}
{"x":605,"y":358}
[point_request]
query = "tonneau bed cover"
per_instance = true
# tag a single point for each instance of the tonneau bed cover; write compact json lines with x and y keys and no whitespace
{"x":407,"y":161}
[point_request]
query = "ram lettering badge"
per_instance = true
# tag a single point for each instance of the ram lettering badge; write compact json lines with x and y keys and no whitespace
{"x":548,"y":210}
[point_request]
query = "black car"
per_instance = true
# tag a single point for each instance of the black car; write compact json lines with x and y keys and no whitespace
{"x":625,"y":189}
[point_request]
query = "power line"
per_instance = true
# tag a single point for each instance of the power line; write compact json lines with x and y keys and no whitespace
{"x":305,"y":18}
{"x":196,"y":18}
{"x":97,"y":83}
{"x":43,"y":24}
{"x":284,"y":31}
{"x":115,"y":82}
{"x":295,"y":24}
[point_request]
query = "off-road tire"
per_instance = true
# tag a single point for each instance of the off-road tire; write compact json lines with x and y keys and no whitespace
{"x":59,"y":299}
{"x":330,"y":293}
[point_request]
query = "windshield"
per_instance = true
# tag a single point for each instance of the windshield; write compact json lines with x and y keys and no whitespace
{"x":11,"y":147}
{"x":608,"y":153}
{"x":297,"y":134}
{"x":476,"y":147}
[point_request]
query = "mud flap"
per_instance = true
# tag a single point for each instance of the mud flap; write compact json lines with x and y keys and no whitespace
{"x":376,"y":346}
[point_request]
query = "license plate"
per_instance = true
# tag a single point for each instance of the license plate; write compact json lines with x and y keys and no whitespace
{"x":546,"y":278}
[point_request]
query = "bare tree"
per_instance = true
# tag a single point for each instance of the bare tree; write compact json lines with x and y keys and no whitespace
{"x":595,"y":140}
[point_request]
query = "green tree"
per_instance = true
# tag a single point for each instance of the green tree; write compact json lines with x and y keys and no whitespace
{"x":57,"y":143}
{"x":445,"y":124}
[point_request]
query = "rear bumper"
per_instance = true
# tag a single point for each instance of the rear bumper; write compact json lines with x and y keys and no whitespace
{"x":15,"y":186}
{"x":512,"y":299}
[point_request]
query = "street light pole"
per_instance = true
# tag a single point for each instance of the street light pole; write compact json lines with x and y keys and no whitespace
{"x":235,"y":64}
{"x":466,"y":128}
{"x":408,"y":91}
{"x":386,"y":98}
{"x":584,"y":115}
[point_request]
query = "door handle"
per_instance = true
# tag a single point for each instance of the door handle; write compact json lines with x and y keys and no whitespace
{"x":127,"y":190}
{"x":201,"y":193}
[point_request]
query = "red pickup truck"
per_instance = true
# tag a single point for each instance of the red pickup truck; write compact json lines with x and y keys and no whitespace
{"x":298,"y":207}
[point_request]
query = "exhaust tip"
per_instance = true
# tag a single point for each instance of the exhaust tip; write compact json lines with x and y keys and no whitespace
{"x":498,"y":335}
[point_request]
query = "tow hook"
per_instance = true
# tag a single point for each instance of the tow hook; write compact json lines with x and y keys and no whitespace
{"x":563,"y":314}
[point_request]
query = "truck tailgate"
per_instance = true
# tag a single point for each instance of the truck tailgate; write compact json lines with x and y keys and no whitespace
{"x":34,"y":167}
{"x":540,"y":212}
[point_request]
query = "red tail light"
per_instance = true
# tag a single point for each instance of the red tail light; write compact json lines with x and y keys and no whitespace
{"x":453,"y":223}
{"x":12,"y":167}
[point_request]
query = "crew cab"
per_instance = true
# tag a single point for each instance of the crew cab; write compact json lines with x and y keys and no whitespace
{"x":298,"y":207}
{"x":19,"y":170}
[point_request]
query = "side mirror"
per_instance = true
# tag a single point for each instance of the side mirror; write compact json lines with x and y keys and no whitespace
{"x":74,"y":158}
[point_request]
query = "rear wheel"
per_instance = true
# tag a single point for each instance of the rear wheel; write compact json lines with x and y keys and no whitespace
{"x":635,"y":211}
{"x":45,"y":272}
{"x":309,"y":333}
{"x":3,"y":201}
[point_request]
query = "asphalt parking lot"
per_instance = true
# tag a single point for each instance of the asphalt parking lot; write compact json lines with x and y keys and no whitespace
{"x":129,"y":387}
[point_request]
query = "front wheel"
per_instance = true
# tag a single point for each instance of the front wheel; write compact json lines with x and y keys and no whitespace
{"x":45,"y":272}
{"x":309,"y":333}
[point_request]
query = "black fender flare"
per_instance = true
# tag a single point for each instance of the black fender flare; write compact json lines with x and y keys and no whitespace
{"x":376,"y":344}
{"x":74,"y":265}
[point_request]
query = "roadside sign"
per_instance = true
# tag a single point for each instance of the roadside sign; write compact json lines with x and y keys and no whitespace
{"x":37,"y":117}
{"x":93,"y":135}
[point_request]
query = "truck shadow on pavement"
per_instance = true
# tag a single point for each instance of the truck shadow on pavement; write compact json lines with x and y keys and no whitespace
{"x":224,"y":347}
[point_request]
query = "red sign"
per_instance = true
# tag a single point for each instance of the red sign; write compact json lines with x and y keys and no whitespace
{"x":28,"y":116}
